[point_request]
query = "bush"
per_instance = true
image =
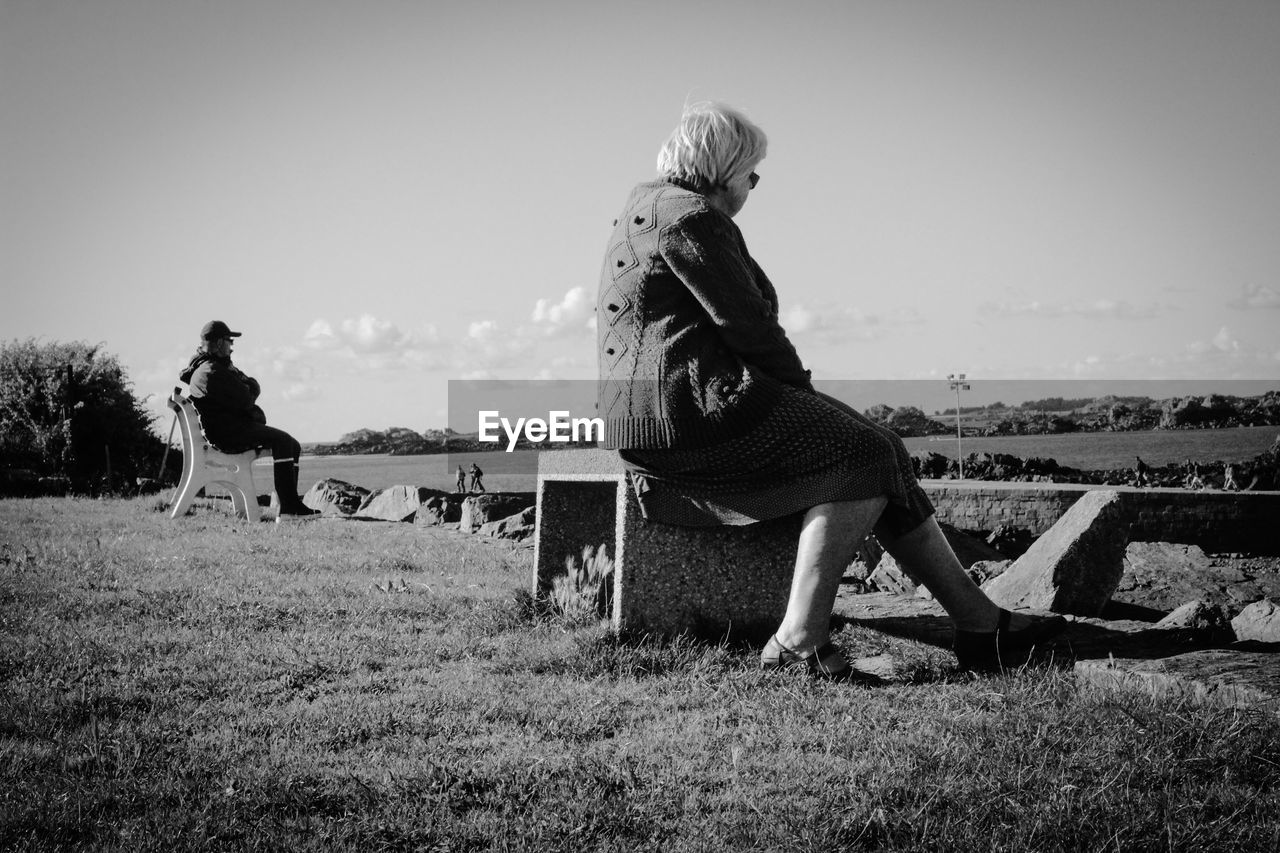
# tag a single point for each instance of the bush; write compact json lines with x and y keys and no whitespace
{"x":68,"y":410}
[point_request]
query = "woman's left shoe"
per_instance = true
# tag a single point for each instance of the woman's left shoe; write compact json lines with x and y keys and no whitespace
{"x":992,"y":651}
{"x":818,"y":662}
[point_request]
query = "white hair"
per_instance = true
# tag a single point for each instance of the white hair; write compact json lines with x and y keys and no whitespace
{"x":712,"y":145}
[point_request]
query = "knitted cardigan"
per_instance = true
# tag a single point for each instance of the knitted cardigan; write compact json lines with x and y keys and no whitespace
{"x":690,"y":349}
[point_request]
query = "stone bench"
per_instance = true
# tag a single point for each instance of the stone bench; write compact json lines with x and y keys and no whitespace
{"x":709,"y":581}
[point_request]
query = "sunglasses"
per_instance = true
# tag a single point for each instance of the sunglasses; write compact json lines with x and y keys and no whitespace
{"x":752,"y":180}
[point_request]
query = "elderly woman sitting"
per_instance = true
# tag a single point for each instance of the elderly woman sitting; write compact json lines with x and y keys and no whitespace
{"x":715,"y":415}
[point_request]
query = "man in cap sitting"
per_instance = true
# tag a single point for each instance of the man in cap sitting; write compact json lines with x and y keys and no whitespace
{"x":227,"y":401}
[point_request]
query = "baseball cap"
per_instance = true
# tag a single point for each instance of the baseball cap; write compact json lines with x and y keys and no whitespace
{"x":215,"y":329}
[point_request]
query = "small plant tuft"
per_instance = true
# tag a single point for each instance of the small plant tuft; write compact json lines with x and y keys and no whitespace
{"x":584,"y":593}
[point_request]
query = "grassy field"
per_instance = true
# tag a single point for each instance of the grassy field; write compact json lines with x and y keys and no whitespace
{"x":206,"y":684}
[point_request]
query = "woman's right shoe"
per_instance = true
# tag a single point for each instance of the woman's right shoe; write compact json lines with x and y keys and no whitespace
{"x":817,"y":663}
{"x":992,"y":651}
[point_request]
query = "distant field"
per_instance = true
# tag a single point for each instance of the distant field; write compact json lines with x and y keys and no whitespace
{"x":1103,"y":450}
{"x":1093,"y":451}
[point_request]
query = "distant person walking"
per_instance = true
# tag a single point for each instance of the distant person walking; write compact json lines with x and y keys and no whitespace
{"x":1229,"y":483}
{"x":231,"y":419}
{"x":462,"y":480}
{"x":477,"y":478}
{"x":1141,"y":473}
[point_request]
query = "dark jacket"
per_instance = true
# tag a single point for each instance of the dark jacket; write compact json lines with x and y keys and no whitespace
{"x":691,"y":351}
{"x":225,"y":397}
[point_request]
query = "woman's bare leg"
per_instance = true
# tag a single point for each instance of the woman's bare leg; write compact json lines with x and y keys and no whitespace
{"x":926,"y":555}
{"x":829,"y":539}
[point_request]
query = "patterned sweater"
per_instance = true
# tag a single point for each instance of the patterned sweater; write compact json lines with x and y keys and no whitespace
{"x":691,"y":352}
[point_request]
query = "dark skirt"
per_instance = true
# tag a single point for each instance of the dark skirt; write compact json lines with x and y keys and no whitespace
{"x":810,"y":450}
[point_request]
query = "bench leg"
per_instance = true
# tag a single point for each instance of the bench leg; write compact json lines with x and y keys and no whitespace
{"x":186,"y":496}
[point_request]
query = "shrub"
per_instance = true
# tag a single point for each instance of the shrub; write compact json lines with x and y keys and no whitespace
{"x":68,"y":410}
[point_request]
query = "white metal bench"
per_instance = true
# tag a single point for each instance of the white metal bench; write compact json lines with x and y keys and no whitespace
{"x":205,"y":465}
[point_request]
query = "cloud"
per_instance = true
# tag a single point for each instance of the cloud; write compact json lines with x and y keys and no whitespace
{"x":573,"y":313}
{"x":1107,"y":309}
{"x":299,"y":392}
{"x":1223,"y":342}
{"x":831,"y":323}
{"x":368,"y":342}
{"x":1256,"y":296}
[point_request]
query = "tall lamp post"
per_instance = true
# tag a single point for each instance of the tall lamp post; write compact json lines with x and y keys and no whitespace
{"x":958,"y":384}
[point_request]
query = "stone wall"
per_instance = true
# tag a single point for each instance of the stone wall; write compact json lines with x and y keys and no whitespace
{"x":1245,"y":522}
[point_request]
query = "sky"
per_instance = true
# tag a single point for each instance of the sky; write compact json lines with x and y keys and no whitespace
{"x":386,"y":195}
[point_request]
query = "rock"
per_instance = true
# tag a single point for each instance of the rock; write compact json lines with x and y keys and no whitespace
{"x":890,"y":577}
{"x":1259,"y":621}
{"x":1011,"y":542}
{"x":481,"y":509}
{"x":869,"y":554}
{"x":440,"y":509}
{"x":1161,"y":575}
{"x":397,"y":503}
{"x":1197,"y":615}
{"x":335,"y":497}
{"x":1221,"y":677}
{"x":1073,"y":567}
{"x":969,"y":549}
{"x":517,"y":527}
{"x":984,"y":570}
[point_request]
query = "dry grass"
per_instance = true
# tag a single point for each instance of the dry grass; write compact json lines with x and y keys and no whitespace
{"x":208,"y":684}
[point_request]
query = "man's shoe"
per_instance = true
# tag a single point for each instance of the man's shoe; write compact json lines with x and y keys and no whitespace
{"x":297,"y":512}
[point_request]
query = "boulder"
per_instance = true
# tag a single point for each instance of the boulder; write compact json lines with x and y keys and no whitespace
{"x":397,"y":503}
{"x":1162,"y":575}
{"x":1199,"y":615}
{"x":969,"y":549}
{"x":443,"y":508}
{"x":984,"y":570}
{"x":1259,"y":621}
{"x":1073,"y":567}
{"x":335,"y":497}
{"x":517,"y":527}
{"x":890,"y":577}
{"x":1011,"y":542}
{"x":493,"y":506}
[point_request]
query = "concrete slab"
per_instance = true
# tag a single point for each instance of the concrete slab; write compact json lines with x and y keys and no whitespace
{"x":1228,"y":677}
{"x":1116,"y":654}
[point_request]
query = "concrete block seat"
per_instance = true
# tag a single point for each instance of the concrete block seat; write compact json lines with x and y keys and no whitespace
{"x":709,"y":581}
{"x":205,"y":465}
